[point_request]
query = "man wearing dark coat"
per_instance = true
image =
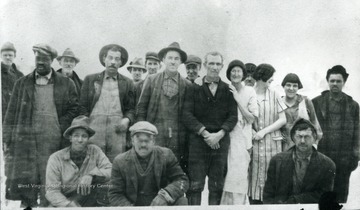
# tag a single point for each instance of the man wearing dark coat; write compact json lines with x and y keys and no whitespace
{"x":300,"y":174}
{"x":338,"y":115}
{"x":41,"y":108}
{"x":193,"y":66}
{"x":68,"y":61}
{"x":108,"y":99}
{"x":147,"y":175}
{"x":210,"y":113}
{"x":161,"y":101}
{"x":9,"y":74}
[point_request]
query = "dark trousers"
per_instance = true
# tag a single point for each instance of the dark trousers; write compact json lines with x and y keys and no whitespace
{"x":341,"y":184}
{"x":204,"y":161}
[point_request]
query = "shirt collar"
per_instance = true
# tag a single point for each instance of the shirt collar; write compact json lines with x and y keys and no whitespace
{"x":48,"y":76}
{"x":337,"y":99}
{"x":67,"y":153}
{"x":217,"y":80}
{"x":167,"y":76}
{"x":296,"y":157}
{"x":106,"y":76}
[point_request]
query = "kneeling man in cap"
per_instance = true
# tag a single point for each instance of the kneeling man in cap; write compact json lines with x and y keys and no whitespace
{"x":147,"y":174}
{"x":300,"y":174}
{"x":76,"y":176}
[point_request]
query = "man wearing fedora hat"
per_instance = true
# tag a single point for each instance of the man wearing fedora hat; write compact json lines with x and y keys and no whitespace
{"x":68,"y":61}
{"x":137,"y":69}
{"x":161,"y":101}
{"x":108,"y":98}
{"x":147,"y":174}
{"x":76,"y":175}
{"x":9,"y":74}
{"x":41,"y":108}
{"x":193,"y":66}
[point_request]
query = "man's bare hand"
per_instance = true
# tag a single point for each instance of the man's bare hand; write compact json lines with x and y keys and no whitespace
{"x":84,"y":186}
{"x":123,"y":126}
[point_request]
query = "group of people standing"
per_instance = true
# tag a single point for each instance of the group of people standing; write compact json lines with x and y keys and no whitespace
{"x":113,"y":141}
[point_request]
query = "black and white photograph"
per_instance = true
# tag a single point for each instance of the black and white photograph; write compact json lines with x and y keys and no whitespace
{"x":194,"y":104}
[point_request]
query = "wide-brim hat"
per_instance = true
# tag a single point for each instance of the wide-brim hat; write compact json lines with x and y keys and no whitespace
{"x":79,"y":122}
{"x":106,"y":48}
{"x":137,"y":63}
{"x":68,"y":53}
{"x":173,"y":47}
{"x":234,"y":63}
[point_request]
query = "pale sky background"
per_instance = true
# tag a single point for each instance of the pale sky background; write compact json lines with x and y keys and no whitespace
{"x":303,"y":37}
{"x":299,"y":36}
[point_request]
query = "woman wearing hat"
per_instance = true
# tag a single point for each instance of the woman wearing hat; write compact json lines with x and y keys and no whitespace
{"x":236,"y":181}
{"x":76,"y":175}
{"x":267,"y":141}
{"x":298,"y":106}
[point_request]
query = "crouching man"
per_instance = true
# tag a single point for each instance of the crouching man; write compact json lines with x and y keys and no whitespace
{"x":147,"y":175}
{"x":77,"y":176}
{"x":300,"y":174}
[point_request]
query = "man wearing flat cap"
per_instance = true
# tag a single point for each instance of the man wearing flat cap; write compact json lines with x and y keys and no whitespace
{"x":76,"y":176}
{"x":152,"y":66}
{"x":210,"y":113}
{"x":68,"y":61}
{"x":147,"y":175}
{"x":108,"y":98}
{"x":301,"y":174}
{"x":162,"y":98}
{"x":338,"y":115}
{"x":193,"y":66}
{"x":9,"y":74}
{"x":41,"y":108}
{"x":137,"y":69}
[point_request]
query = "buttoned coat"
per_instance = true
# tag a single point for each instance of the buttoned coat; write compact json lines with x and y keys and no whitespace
{"x":18,"y":136}
{"x":319,"y":178}
{"x":76,"y":79}
{"x":168,"y":175}
{"x":91,"y":90}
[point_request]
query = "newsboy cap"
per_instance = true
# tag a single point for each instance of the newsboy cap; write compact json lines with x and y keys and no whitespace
{"x":79,"y":122}
{"x":173,"y":47}
{"x":45,"y":49}
{"x":152,"y":55}
{"x":104,"y":50}
{"x":192,"y":59}
{"x":8,"y":46}
{"x":234,"y":63}
{"x":143,"y":127}
{"x":302,"y":122}
{"x":68,"y":53}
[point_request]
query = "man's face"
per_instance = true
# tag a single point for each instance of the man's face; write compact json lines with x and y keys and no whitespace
{"x":192,"y":71}
{"x":43,"y":64}
{"x":143,"y":143}
{"x":172,"y":60}
{"x":213,"y":65}
{"x":136,"y":74}
{"x":112,"y":61}
{"x":249,"y":81}
{"x":291,"y":89}
{"x":7,"y":57}
{"x":152,"y":66}
{"x":79,"y":139}
{"x":68,"y":64}
{"x":336,"y":83}
{"x":304,"y":140}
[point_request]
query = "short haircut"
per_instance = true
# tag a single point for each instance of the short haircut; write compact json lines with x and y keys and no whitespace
{"x":214,"y":53}
{"x":338,"y":69}
{"x":303,"y":125}
{"x":263,"y":72}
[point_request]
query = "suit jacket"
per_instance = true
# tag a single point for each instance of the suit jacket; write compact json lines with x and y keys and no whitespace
{"x":76,"y":79}
{"x":18,"y":134}
{"x":319,"y":178}
{"x":91,"y":90}
{"x":213,"y":112}
{"x":124,"y":184}
{"x":348,"y":154}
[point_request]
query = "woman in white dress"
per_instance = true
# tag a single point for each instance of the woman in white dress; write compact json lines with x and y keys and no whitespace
{"x":236,"y":181}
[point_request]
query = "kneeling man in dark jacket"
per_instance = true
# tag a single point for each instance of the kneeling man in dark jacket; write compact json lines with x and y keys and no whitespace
{"x":147,"y":174}
{"x":300,"y":174}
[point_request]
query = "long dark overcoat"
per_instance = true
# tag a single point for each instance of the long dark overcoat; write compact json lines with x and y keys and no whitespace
{"x":18,"y":137}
